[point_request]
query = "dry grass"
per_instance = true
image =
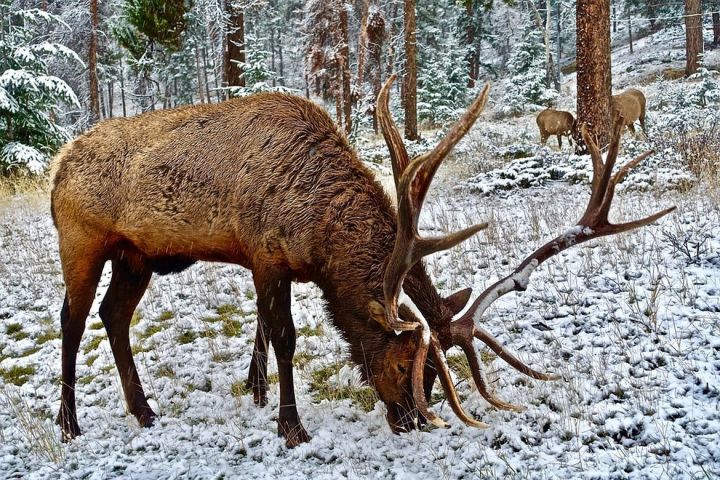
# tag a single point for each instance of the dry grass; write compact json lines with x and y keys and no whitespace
{"x":36,"y":429}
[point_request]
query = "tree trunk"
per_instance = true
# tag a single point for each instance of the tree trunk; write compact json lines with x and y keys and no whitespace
{"x":716,"y":28}
{"x":559,"y":41}
{"x":122,"y":88}
{"x":201,"y":94}
{"x":92,"y":64}
{"x":362,"y":48}
{"x":205,"y":75}
{"x":650,"y":12}
{"x":272,"y":54}
{"x":110,"y":88}
{"x":593,"y":69}
{"x":375,"y":40}
{"x":281,"y":66}
{"x":345,"y":68}
{"x":614,"y":14}
{"x":693,"y":35}
{"x":630,"y":33}
{"x":470,"y":42}
{"x":391,"y":48}
{"x":235,"y":39}
{"x":550,"y":80}
{"x":410,"y":83}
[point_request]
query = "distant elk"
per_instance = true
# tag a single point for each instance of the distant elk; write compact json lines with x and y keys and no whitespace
{"x":556,"y":122}
{"x":270,"y":183}
{"x":630,"y":104}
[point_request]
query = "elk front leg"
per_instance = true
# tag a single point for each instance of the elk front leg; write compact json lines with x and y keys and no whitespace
{"x":274,"y":312}
{"x":257,"y":376}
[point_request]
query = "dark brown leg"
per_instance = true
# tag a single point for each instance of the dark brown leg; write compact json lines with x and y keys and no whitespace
{"x":82,"y":273}
{"x":257,"y":376}
{"x":559,"y":141}
{"x":274,"y":311}
{"x":123,"y":295}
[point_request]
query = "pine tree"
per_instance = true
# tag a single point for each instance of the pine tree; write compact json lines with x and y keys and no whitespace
{"x":30,"y":98}
{"x":528,"y":76}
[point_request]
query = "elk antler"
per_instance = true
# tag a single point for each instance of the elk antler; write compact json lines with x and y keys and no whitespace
{"x":413,"y":181}
{"x":593,"y":224}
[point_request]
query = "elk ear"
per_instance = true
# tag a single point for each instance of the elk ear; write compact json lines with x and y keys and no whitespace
{"x":377,"y":313}
{"x":457,"y":301}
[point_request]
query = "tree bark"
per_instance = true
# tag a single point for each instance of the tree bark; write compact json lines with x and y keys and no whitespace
{"x":470,"y":42}
{"x":122,"y":88}
{"x":362,"y":48}
{"x":201,"y":94}
{"x":92,"y":64}
{"x":410,"y":83}
{"x":235,"y":40}
{"x":593,"y":69}
{"x":345,"y":68}
{"x":693,"y":35}
{"x":375,"y":39}
{"x":630,"y":33}
{"x":559,"y":41}
{"x":205,"y":75}
{"x":110,"y":88}
{"x":550,"y":79}
{"x":716,"y":28}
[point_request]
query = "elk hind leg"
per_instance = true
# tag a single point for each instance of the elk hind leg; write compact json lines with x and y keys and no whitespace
{"x":82,"y":264}
{"x":274,"y":311}
{"x":257,"y":376}
{"x":127,"y":286}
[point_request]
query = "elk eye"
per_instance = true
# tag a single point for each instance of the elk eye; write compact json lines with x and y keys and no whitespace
{"x":402,"y":369}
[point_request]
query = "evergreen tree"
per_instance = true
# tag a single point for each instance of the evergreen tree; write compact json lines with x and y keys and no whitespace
{"x":257,"y":74}
{"x":30,"y":98}
{"x":443,"y":84}
{"x":527,"y":84}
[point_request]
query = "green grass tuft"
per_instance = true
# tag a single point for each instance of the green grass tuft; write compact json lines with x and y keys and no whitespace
{"x":93,"y":344}
{"x":364,"y":397}
{"x":308,"y":331}
{"x":47,"y":335}
{"x":16,"y":331}
{"x":186,"y":337}
{"x":17,"y":375}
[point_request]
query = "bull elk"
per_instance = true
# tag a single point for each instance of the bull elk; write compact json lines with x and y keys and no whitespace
{"x":268,"y":182}
{"x":630,"y":104}
{"x":555,"y":122}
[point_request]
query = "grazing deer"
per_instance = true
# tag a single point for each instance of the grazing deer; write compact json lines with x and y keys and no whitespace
{"x":555,"y":122}
{"x":631,"y":106}
{"x":268,"y":182}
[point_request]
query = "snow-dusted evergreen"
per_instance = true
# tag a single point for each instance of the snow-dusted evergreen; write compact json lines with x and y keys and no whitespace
{"x":30,"y":96}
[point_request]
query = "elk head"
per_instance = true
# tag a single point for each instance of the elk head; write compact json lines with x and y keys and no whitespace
{"x":405,"y":371}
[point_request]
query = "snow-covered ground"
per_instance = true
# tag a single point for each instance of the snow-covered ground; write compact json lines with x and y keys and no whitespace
{"x":632,"y":323}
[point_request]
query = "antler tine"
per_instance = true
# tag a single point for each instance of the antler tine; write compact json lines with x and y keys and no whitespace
{"x":409,"y":247}
{"x":480,"y":380}
{"x":449,"y":388}
{"x":398,"y":154}
{"x":593,"y":224}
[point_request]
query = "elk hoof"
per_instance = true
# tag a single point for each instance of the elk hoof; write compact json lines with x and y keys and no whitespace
{"x":259,"y":389}
{"x":293,"y":432}
{"x":146,"y":418}
{"x":69,"y":426}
